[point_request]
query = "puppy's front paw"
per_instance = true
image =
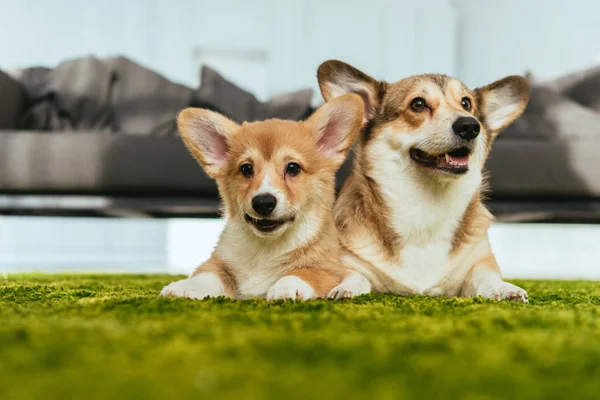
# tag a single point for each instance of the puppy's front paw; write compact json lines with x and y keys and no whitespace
{"x":290,"y":288}
{"x":352,"y":286}
{"x":203,"y":285}
{"x":506,"y":291}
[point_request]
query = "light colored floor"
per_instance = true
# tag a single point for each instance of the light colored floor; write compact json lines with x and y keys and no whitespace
{"x":176,"y":246}
{"x":553,"y":251}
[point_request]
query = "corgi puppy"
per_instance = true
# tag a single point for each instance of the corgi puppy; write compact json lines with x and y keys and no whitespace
{"x":277,"y":182}
{"x":410,"y":216}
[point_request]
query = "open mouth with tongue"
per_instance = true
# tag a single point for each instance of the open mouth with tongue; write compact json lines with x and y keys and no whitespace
{"x":454,"y":162}
{"x":266,"y":225}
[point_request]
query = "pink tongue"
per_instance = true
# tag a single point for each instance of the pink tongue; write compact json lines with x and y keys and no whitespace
{"x":454,"y":160}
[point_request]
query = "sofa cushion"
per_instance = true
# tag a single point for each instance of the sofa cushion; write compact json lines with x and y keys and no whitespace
{"x":219,"y":94}
{"x":295,"y":105}
{"x":581,"y":86}
{"x":85,"y":162}
{"x":547,"y":169}
{"x":144,"y":102}
{"x":35,"y":162}
{"x":553,"y":114}
{"x":81,"y":89}
{"x":88,"y":94}
{"x":34,"y":80}
{"x":12,"y":101}
{"x":586,"y":91}
{"x":73,"y":96}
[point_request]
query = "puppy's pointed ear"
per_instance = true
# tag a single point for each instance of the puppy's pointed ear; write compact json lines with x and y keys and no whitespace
{"x":337,"y":78}
{"x":503,"y":101}
{"x":335,"y":126}
{"x":206,"y":134}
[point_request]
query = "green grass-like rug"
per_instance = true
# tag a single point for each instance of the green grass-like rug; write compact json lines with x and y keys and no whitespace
{"x":111,"y":336}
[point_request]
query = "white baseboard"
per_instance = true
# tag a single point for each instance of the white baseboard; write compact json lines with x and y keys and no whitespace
{"x":547,"y":251}
{"x":177,"y":246}
{"x":536,"y":251}
{"x":82,"y":244}
{"x":190,"y":242}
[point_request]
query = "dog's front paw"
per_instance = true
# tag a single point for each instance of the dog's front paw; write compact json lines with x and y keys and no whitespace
{"x":352,"y":286}
{"x":290,"y":288}
{"x":203,"y":285}
{"x":506,"y":291}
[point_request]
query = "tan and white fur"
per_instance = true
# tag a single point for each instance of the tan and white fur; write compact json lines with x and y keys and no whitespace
{"x":277,"y":182}
{"x":410,"y":216}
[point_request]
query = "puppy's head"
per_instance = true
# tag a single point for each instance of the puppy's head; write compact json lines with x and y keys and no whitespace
{"x":275,"y":174}
{"x":432,"y":124}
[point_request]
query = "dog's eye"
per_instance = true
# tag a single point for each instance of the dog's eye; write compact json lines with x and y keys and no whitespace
{"x":418,"y":104}
{"x":247,"y":170}
{"x":466,"y":103}
{"x":292,"y":169}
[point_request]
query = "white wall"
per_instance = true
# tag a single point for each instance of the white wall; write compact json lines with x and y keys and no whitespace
{"x":46,"y":32}
{"x":267,"y":46}
{"x":503,"y":37}
{"x":271,"y":46}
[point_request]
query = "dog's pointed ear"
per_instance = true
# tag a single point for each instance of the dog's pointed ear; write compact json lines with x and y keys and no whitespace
{"x":337,"y":78}
{"x":336,"y":125}
{"x":206,"y":134}
{"x":503,"y":101}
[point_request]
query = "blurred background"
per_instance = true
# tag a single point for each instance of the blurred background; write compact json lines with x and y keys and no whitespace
{"x":94,"y":178}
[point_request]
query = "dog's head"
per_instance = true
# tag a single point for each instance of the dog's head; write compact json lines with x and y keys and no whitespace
{"x":274,"y":174}
{"x":429,"y":123}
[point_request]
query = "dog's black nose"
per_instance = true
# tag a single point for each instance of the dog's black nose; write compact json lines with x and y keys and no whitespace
{"x":466,"y":127}
{"x":264,"y":204}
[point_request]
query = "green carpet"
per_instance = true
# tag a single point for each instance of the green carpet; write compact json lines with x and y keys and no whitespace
{"x":111,"y":336}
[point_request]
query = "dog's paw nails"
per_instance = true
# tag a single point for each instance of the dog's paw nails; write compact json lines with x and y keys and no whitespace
{"x":519,"y":296}
{"x":184,"y":289}
{"x":508,"y":291}
{"x":198,"y":287}
{"x":342,"y":292}
{"x":170,"y":291}
{"x":290,"y":288}
{"x":349,"y":288}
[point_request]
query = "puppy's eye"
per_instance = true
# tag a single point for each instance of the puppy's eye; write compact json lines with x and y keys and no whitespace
{"x":292,"y":169}
{"x":247,"y":170}
{"x":466,"y":104}
{"x":418,"y":104}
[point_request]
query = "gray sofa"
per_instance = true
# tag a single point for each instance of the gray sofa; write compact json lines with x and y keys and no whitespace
{"x":98,"y":137}
{"x":546,"y":166}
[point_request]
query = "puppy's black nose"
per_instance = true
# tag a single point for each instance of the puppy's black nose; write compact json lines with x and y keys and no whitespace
{"x":466,"y":127}
{"x":264,"y":204}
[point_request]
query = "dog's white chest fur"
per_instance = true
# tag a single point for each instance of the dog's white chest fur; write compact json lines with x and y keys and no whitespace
{"x":425,"y":218}
{"x":255,"y":279}
{"x":257,"y":266}
{"x":422,"y":267}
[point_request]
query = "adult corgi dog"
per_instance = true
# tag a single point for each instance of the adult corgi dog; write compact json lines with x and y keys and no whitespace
{"x":277,"y":182}
{"x":410,"y":216}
